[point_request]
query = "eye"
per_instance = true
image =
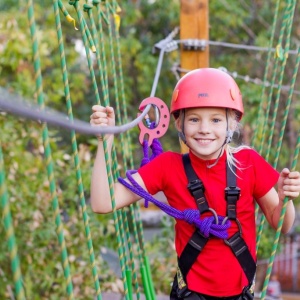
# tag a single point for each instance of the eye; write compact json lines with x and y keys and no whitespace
{"x":216,"y":120}
{"x":193,"y":120}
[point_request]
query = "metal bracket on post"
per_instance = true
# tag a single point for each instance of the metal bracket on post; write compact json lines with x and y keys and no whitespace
{"x":167,"y":44}
{"x":194,"y":45}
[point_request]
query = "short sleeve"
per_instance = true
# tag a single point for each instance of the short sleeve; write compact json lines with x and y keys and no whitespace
{"x":266,"y":176}
{"x":153,"y":173}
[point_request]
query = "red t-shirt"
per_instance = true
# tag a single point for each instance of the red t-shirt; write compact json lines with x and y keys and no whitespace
{"x":216,"y":272}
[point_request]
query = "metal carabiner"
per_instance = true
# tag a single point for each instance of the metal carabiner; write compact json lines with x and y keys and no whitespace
{"x":161,"y":125}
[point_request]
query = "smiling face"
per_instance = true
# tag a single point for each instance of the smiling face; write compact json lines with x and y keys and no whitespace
{"x":204,"y":130}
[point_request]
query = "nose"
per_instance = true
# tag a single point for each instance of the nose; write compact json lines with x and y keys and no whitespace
{"x":204,"y":127}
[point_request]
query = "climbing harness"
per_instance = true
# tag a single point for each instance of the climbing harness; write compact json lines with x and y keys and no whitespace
{"x":198,"y":241}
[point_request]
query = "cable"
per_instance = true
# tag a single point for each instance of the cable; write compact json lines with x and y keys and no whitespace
{"x":201,"y":44}
{"x":13,"y":104}
{"x":175,"y":69}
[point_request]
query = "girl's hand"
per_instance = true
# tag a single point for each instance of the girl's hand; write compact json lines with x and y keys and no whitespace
{"x":103,"y":116}
{"x":288,"y":184}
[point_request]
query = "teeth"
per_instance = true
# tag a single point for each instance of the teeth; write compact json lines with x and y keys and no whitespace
{"x":204,"y":141}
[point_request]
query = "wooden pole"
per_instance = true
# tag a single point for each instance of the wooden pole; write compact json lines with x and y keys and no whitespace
{"x":194,"y":26}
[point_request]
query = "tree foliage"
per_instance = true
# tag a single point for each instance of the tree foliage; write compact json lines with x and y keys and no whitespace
{"x":144,"y":23}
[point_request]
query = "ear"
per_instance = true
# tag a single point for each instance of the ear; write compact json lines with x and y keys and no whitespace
{"x":233,"y":124}
{"x":178,"y":124}
{"x":229,"y":135}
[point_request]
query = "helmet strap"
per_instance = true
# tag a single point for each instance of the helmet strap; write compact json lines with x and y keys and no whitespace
{"x":228,"y":138}
{"x":181,"y":133}
{"x":229,"y":132}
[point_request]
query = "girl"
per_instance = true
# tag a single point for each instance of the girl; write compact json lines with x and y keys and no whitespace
{"x":220,"y":181}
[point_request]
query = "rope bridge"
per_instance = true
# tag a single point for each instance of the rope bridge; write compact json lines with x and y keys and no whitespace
{"x":98,"y":24}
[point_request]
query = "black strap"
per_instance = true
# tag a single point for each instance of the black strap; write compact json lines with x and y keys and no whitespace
{"x":232,"y":192}
{"x":243,"y":255}
{"x":198,"y":241}
{"x":190,"y":253}
{"x":195,"y":185}
{"x":236,"y":242}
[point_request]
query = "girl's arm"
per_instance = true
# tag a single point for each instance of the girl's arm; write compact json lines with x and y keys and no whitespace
{"x":271,"y":203}
{"x":100,"y":190}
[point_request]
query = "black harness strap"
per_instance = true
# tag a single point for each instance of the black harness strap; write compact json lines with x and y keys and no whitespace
{"x":198,"y":241}
{"x":236,"y":242}
{"x":195,"y":185}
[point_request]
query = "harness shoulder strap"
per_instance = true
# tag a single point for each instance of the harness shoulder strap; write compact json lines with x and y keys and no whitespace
{"x":198,"y":240}
{"x":195,"y":185}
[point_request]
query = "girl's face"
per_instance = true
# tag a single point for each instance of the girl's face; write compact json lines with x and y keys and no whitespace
{"x":205,"y":131}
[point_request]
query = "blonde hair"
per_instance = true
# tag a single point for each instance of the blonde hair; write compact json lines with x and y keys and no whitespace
{"x":233,"y":120}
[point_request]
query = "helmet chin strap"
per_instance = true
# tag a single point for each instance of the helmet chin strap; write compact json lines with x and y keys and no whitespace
{"x":181,"y":133}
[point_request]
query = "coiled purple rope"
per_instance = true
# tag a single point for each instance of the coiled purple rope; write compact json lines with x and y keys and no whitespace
{"x":207,"y":226}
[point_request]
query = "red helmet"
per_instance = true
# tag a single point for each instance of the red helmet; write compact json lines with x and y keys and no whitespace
{"x":206,"y":87}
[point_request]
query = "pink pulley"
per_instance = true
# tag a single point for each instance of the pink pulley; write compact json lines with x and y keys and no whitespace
{"x":161,"y":125}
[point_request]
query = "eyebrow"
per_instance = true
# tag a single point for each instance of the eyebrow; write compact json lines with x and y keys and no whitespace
{"x":211,"y":115}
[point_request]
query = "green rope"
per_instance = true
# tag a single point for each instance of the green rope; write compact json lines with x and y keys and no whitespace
{"x":274,"y":73}
{"x":122,"y":117}
{"x":279,"y":227}
{"x":75,"y":152}
{"x":288,"y":19}
{"x":257,"y":133}
{"x":10,"y":235}
{"x":100,"y":60}
{"x":117,"y":67}
{"x":49,"y":161}
{"x":66,"y":14}
{"x":116,"y":214}
{"x":288,"y":105}
{"x":287,"y":16}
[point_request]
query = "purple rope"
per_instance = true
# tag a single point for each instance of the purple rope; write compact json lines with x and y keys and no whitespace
{"x":156,"y":150}
{"x":207,"y":226}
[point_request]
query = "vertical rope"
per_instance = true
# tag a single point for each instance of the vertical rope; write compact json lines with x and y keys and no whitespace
{"x":10,"y":235}
{"x":280,"y":223}
{"x":118,"y":81}
{"x":48,"y":156}
{"x":288,"y":17}
{"x":257,"y":132}
{"x":288,"y":21}
{"x":75,"y":151}
{"x":116,"y":215}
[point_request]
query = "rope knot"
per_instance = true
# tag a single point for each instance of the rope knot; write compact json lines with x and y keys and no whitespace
{"x":191,"y":215}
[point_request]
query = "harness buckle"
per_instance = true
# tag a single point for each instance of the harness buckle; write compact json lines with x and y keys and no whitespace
{"x":232,"y":191}
{"x":195,"y":185}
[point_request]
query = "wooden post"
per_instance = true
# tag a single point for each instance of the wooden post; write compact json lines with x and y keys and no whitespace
{"x":194,"y":25}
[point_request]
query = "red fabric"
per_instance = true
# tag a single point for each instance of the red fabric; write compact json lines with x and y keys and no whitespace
{"x":216,"y":272}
